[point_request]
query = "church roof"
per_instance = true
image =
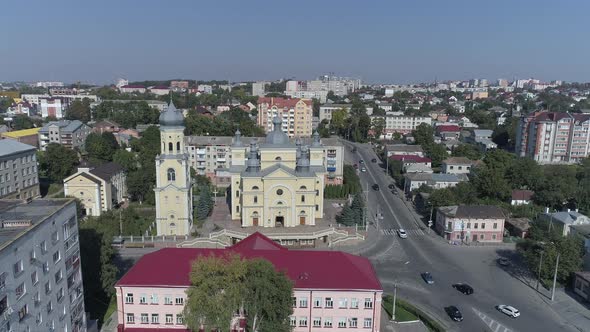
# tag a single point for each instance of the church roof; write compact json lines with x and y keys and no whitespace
{"x":277,"y":136}
{"x":171,"y":117}
{"x":269,"y":170}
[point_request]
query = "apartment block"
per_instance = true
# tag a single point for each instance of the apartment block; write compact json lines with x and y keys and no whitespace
{"x":401,"y":124}
{"x":553,"y":137}
{"x":52,"y":107}
{"x":471,"y":223}
{"x":211,"y":156}
{"x":327,"y":110}
{"x":152,"y":295}
{"x":18,"y":170}
{"x":40,"y":273}
{"x":296,"y":115}
{"x":69,"y":133}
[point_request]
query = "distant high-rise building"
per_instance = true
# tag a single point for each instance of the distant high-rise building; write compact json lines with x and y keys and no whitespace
{"x":121,"y":82}
{"x":502,"y":83}
{"x":296,"y":115}
{"x":259,"y":89}
{"x":483,"y":83}
{"x":48,"y":84}
{"x":292,"y":86}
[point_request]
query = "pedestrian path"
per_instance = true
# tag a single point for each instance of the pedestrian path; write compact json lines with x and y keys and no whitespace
{"x":393,"y":231}
{"x":494,"y":325}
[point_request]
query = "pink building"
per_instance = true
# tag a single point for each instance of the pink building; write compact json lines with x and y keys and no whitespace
{"x":471,"y":223}
{"x":332,"y":290}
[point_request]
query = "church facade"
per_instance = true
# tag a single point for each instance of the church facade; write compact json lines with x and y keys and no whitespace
{"x":173,"y":190}
{"x":277,"y":183}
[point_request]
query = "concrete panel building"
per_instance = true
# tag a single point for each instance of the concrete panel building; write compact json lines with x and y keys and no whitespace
{"x":19,"y":176}
{"x":296,"y":115}
{"x":69,"y":133}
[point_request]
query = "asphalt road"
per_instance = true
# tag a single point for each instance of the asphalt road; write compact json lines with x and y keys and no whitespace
{"x":401,"y":261}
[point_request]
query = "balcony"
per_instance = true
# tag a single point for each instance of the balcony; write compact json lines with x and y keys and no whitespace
{"x":331,"y":169}
{"x":331,"y":155}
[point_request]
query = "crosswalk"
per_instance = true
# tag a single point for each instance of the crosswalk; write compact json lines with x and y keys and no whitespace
{"x":491,"y":323}
{"x":410,"y":232}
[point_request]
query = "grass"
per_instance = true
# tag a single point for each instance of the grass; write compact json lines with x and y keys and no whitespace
{"x":410,"y":311}
{"x":401,"y":314}
{"x":110,"y":309}
{"x":54,"y":188}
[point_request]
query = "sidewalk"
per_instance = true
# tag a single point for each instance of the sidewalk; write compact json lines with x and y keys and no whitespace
{"x":568,"y":306}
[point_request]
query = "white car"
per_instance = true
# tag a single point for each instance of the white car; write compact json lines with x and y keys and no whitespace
{"x":402,"y":233}
{"x":508,"y":310}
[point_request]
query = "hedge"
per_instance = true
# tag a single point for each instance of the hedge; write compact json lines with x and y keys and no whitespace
{"x":431,"y":323}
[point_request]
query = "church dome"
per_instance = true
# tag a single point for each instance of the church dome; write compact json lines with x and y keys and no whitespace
{"x":277,"y":136}
{"x":171,"y":117}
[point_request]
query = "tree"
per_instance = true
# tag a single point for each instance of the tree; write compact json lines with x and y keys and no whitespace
{"x":468,"y":151}
{"x":100,"y":147}
{"x":338,"y":120}
{"x":347,"y":216}
{"x":79,"y":110}
{"x":524,"y":173}
{"x":204,"y":205}
{"x":378,"y":126}
{"x":57,"y":162}
{"x":20,"y":122}
{"x":125,"y":159}
{"x":436,"y":152}
{"x":423,"y":134}
{"x":490,"y":182}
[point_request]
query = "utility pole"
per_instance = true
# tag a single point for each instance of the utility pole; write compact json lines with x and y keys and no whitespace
{"x":120,"y":225}
{"x":430,"y":220}
{"x":366,"y":208}
{"x":386,"y":163}
{"x":539,"y":273}
{"x":394,"y":300}
{"x":555,"y":277}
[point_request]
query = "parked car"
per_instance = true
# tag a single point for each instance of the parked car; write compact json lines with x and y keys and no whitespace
{"x":463,"y":288}
{"x":391,"y":186}
{"x":402,"y":233}
{"x":503,"y":261}
{"x":454,"y":313}
{"x":428,"y":278}
{"x":363,"y":169}
{"x":393,"y":191}
{"x":508,"y":310}
{"x":376,"y":187}
{"x":373,"y":160}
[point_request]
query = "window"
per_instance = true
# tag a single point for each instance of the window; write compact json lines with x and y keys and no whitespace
{"x":495,"y":225}
{"x":342,"y":322}
{"x":54,"y":237}
{"x":18,"y":267}
{"x":154,"y":298}
{"x":129,"y":298}
{"x":171,"y":174}
{"x":293,"y":321}
{"x":169,"y":319}
{"x":255,"y":188}
{"x":354,"y":303}
{"x":302,"y":198}
{"x":481,"y":236}
{"x":47,"y":287}
{"x":353,"y":322}
{"x":170,"y":146}
{"x":327,"y":322}
{"x":468,"y":225}
{"x":167,"y":300}
{"x":177,"y":146}
{"x":294,"y":302}
{"x":56,"y":256}
{"x":317,"y":302}
{"x":329,"y":303}
{"x":255,"y":199}
{"x":179,"y":300}
{"x":483,"y":225}
{"x":475,"y":225}
{"x":317,"y":207}
{"x":279,"y":192}
{"x":368,"y":322}
{"x":130,"y":319}
{"x":20,"y":290}
{"x":179,"y":319}
{"x":49,"y":307}
{"x":302,"y":321}
{"x":368,"y":303}
{"x":142,"y":299}
{"x":43,"y":246}
{"x":22,"y":313}
{"x":303,"y":303}
{"x":155,"y":319}
{"x":144,"y":319}
{"x":342,"y":303}
{"x":60,"y":294}
{"x":493,"y":236}
{"x":58,"y":276}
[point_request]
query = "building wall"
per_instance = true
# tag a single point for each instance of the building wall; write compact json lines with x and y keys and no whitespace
{"x":456,"y":168}
{"x":309,"y":306}
{"x":297,"y":120}
{"x":35,"y":251}
{"x":18,"y":175}
{"x":327,"y":110}
{"x":466,"y":229}
{"x":401,"y":124}
{"x":88,"y":192}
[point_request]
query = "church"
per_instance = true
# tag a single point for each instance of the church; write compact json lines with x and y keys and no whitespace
{"x":174,"y":205}
{"x":277,"y":183}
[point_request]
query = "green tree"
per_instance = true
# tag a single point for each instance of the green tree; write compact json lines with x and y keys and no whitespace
{"x":436,"y":152}
{"x":99,"y":147}
{"x":57,"y":162}
{"x":468,"y":151}
{"x":490,"y":182}
{"x":338,"y":120}
{"x":524,"y":173}
{"x":204,"y":205}
{"x":20,"y":122}
{"x":347,"y":216}
{"x":423,"y":134}
{"x":79,"y":110}
{"x":126,"y":159}
{"x":378,"y":127}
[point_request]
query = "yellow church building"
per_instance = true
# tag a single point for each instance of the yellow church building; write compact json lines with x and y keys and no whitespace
{"x":174,"y":205}
{"x":278,"y":183}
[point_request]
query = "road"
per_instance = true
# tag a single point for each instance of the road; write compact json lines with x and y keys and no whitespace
{"x":401,"y":261}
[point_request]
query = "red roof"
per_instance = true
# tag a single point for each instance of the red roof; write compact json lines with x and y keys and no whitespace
{"x":121,"y":328}
{"x":448,"y":128}
{"x":282,"y":102}
{"x":522,"y":195}
{"x":170,"y":267}
{"x":133,"y":87}
{"x":410,"y":158}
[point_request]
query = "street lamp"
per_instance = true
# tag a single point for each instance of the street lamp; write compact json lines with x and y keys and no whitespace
{"x":555,"y":276}
{"x":394,"y":300}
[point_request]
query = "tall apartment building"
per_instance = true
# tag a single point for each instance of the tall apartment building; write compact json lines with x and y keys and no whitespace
{"x":553,"y":137}
{"x":296,"y":115}
{"x":259,"y":89}
{"x":211,"y":156}
{"x":401,"y":123}
{"x":52,"y":107}
{"x":327,"y":110}
{"x":40,"y":274}
{"x":18,"y":170}
{"x":69,"y":133}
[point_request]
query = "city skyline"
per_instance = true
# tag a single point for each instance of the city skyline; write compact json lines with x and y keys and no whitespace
{"x":378,"y":42}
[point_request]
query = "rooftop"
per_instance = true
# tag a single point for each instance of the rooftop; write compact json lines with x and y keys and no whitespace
{"x":65,"y":125}
{"x":106,"y":171}
{"x":472,"y":211}
{"x":36,"y":211}
{"x":9,"y":147}
{"x":522,"y":195}
{"x":307,"y":269}
{"x":410,"y":158}
{"x":403,"y":148}
{"x":458,"y":161}
{"x":282,"y":102}
{"x":21,"y":133}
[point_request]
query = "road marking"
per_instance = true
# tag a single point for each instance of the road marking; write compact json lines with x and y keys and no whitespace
{"x":393,"y":231}
{"x":491,"y":322}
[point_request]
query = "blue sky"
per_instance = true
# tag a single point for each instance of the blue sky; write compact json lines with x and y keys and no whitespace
{"x":378,"y":41}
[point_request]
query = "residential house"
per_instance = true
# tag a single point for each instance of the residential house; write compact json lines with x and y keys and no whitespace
{"x":295,"y":115}
{"x":408,"y":160}
{"x":448,"y":132}
{"x":457,"y":165}
{"x":471,"y":223}
{"x":19,"y":177}
{"x":418,"y":168}
{"x":413,"y":181}
{"x":126,"y":135}
{"x":521,"y":197}
{"x":159,"y":90}
{"x":153,"y":298}
{"x":132,"y":89}
{"x":401,"y":124}
{"x":105,"y":126}
{"x":26,"y":136}
{"x":98,"y":188}
{"x":518,"y":226}
{"x":482,"y":138}
{"x":326,"y":110}
{"x":582,"y":284}
{"x":53,"y":107}
{"x":69,"y":133}
{"x":404,"y":149}
{"x":565,"y":219}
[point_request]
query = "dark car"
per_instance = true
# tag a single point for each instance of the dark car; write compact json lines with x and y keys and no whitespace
{"x":376,"y":187}
{"x":427,"y":276}
{"x":393,"y":191}
{"x":391,"y":186}
{"x":361,"y":161}
{"x":463,"y":288}
{"x":454,"y":313}
{"x":373,"y":160}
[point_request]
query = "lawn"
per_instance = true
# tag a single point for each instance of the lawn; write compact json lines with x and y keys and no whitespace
{"x":401,"y":314}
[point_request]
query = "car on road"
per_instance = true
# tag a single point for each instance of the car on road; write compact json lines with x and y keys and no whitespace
{"x":508,"y":310}
{"x":363,"y":169}
{"x":373,"y":160}
{"x":503,"y":261}
{"x":463,"y":288}
{"x":361,"y":161}
{"x":402,"y":233}
{"x":391,"y":186}
{"x":376,"y":187}
{"x":454,"y":313}
{"x":393,"y":191}
{"x":428,"y":278}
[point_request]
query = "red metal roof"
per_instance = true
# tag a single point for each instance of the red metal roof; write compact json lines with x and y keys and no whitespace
{"x":282,"y":102}
{"x":410,"y":158}
{"x":522,"y":195}
{"x":447,"y":128}
{"x":122,"y":328}
{"x":307,"y":269}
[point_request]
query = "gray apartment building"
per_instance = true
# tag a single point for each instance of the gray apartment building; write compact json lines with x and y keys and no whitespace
{"x":40,"y":273}
{"x":18,"y":170}
{"x":69,"y":133}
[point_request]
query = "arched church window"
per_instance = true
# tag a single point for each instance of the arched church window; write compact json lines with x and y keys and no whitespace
{"x":171,"y":174}
{"x":170,"y":146}
{"x":177,"y":146}
{"x":255,"y":188}
{"x":303,"y":188}
{"x":278,"y":159}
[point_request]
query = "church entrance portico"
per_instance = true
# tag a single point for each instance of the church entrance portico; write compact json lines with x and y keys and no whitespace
{"x":280,"y":221}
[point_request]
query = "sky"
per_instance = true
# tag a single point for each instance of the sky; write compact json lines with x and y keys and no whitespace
{"x":394,"y":41}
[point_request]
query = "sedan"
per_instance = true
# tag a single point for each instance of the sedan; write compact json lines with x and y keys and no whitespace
{"x":503,"y":261}
{"x":463,"y":288}
{"x":391,"y":186}
{"x":373,"y":160}
{"x":428,"y":278}
{"x":376,"y":187}
{"x":508,"y":310}
{"x":402,"y":233}
{"x":361,"y":161}
{"x":454,"y":313}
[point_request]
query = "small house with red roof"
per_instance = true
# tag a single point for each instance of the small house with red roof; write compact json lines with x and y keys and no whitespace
{"x":331,"y":289}
{"x":447,"y":132}
{"x":522,"y":197}
{"x":408,"y":160}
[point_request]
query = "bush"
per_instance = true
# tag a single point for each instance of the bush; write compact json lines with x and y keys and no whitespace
{"x":430,"y":323}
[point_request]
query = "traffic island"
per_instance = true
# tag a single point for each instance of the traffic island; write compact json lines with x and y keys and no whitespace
{"x":406,"y":313}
